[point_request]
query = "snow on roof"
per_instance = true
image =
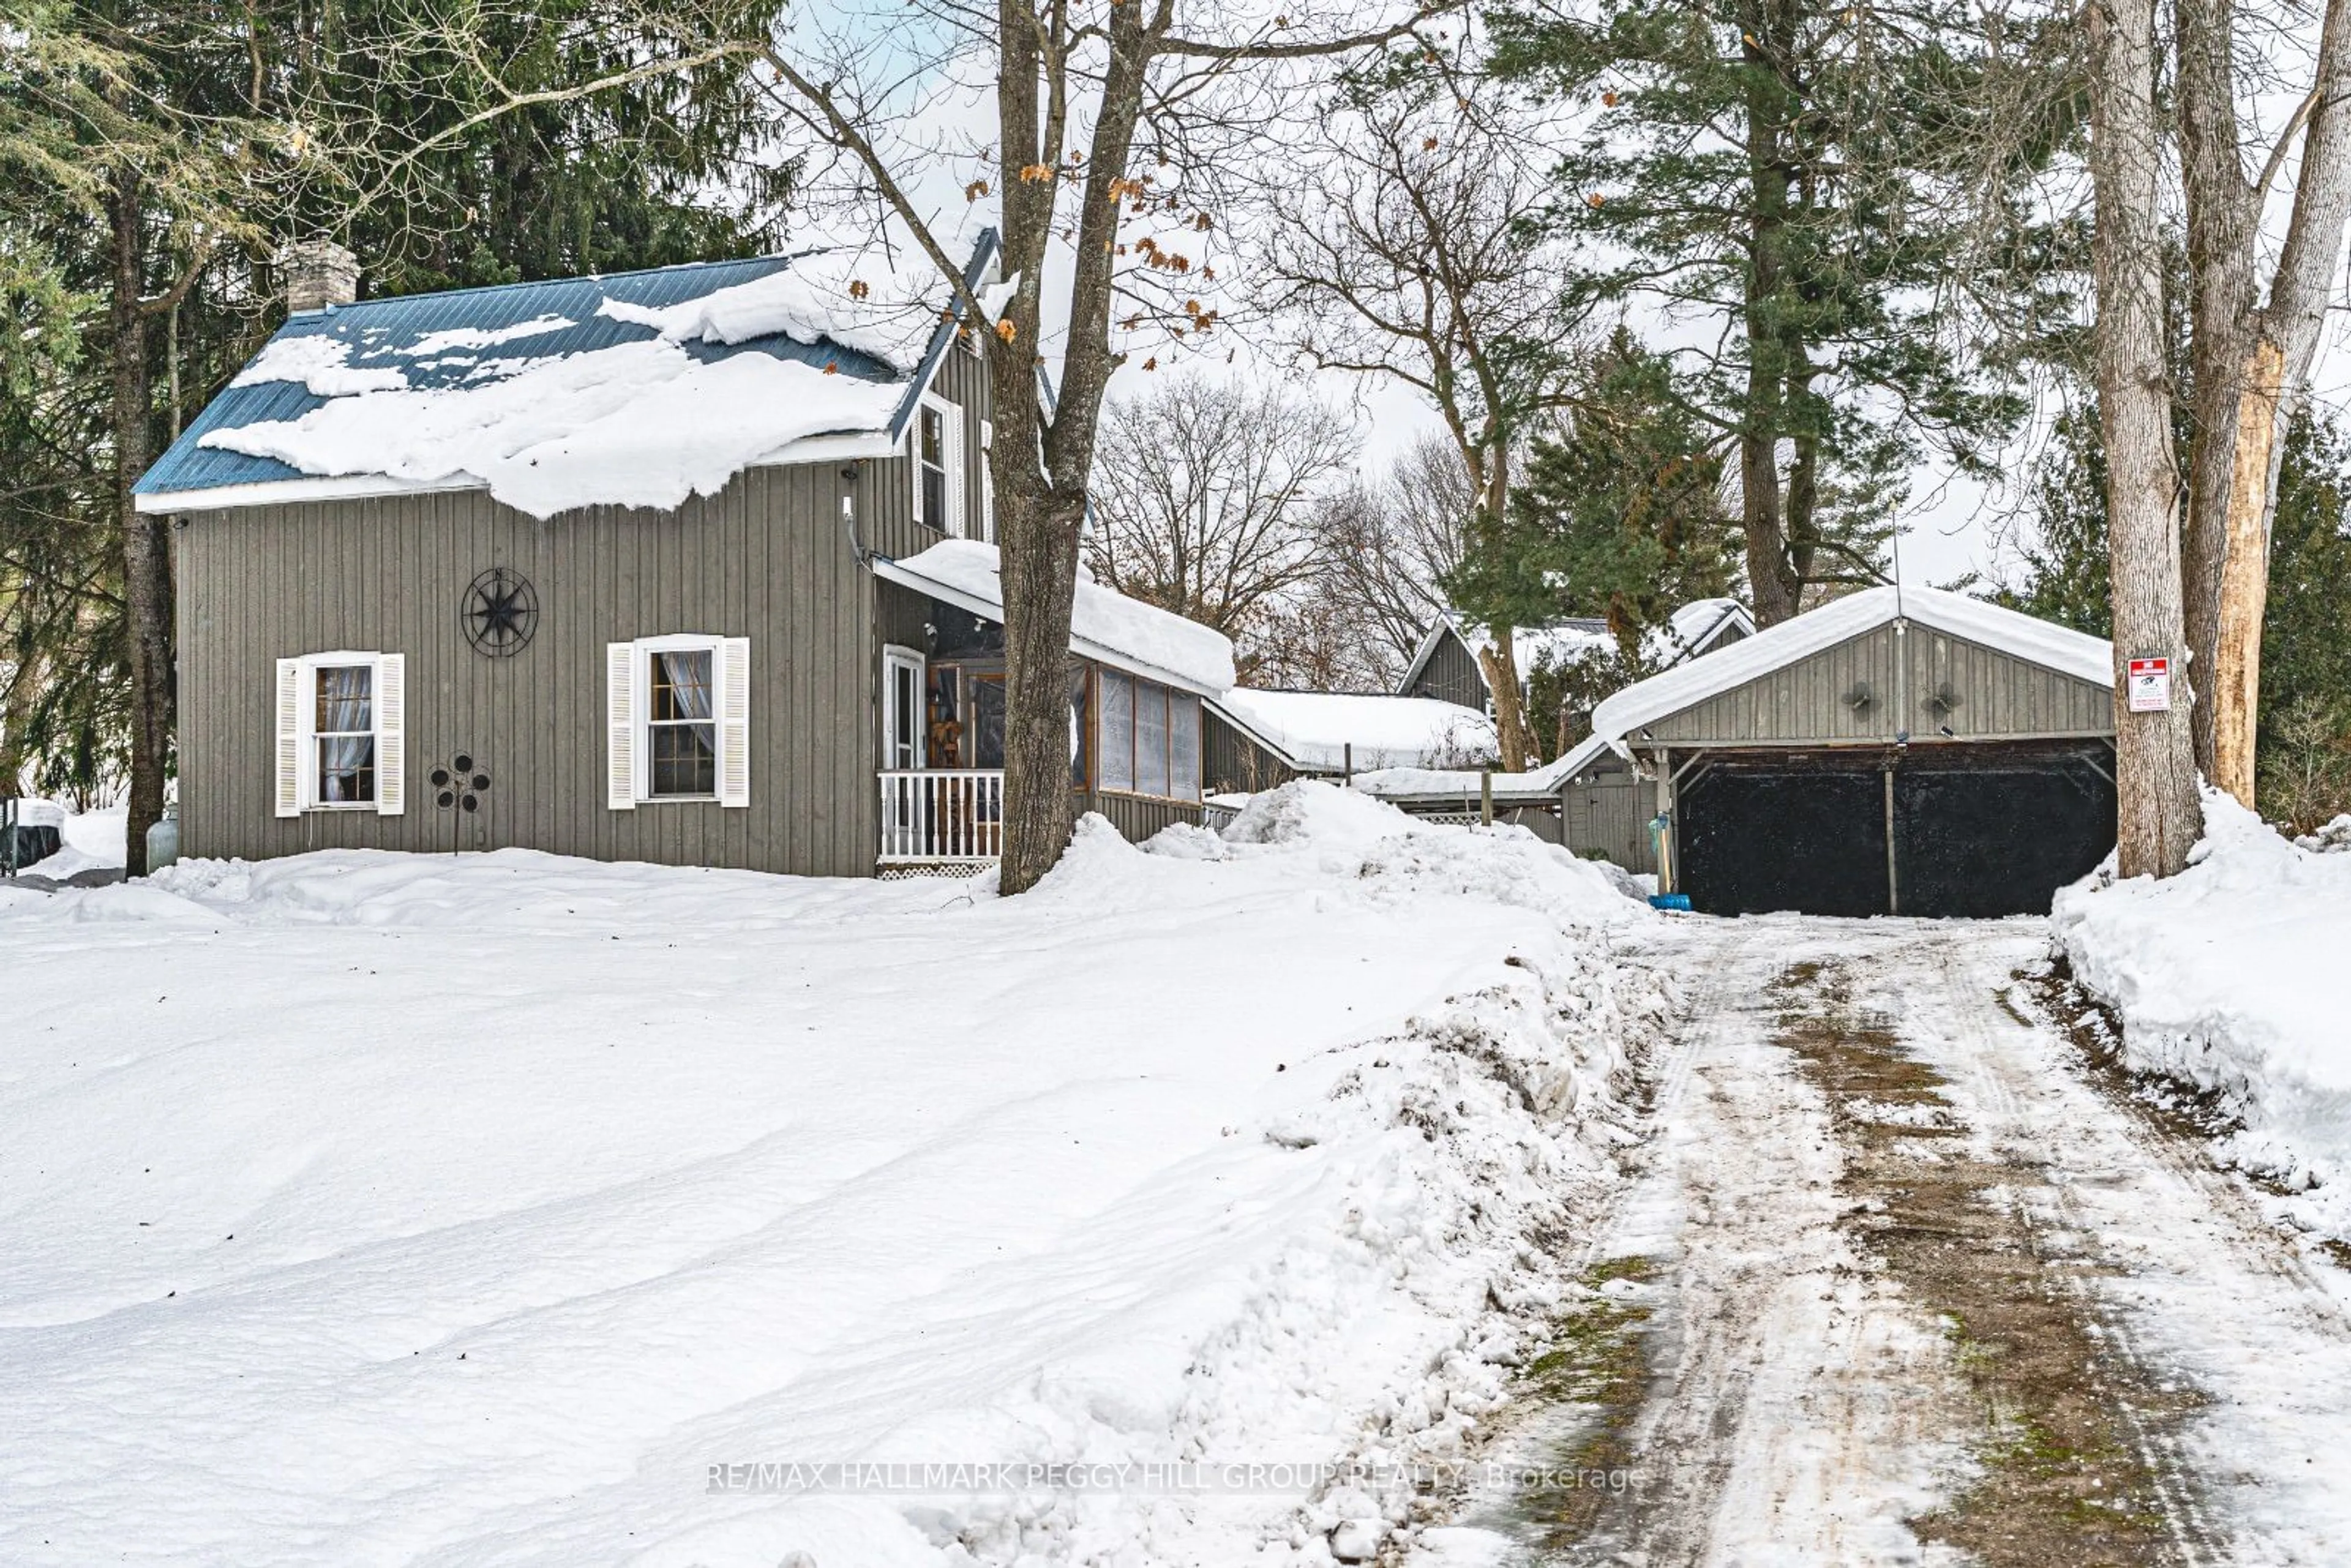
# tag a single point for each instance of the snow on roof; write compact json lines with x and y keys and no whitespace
{"x":1579,"y":757}
{"x":2027,"y":637}
{"x":638,"y":390}
{"x":817,"y":300}
{"x":1699,"y":622}
{"x":1105,"y":625}
{"x":1562,"y":641}
{"x":1455,"y":784}
{"x":1314,"y":729}
{"x":635,"y":425}
{"x":1688,"y":631}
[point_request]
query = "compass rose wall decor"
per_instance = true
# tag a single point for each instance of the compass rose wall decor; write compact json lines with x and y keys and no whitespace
{"x":499,"y":613}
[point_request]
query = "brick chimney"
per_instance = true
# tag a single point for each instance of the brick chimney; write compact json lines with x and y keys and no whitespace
{"x":318,"y":273}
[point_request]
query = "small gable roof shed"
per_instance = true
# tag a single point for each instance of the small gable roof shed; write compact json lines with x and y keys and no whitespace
{"x":1895,"y":751}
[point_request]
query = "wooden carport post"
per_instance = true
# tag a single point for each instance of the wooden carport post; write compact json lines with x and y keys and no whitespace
{"x":1893,"y":883}
{"x":1668,"y":850}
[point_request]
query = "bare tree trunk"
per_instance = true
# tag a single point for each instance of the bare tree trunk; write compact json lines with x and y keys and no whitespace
{"x":1498,"y":660}
{"x":146,"y":544}
{"x":2158,"y":815}
{"x":1778,"y":591}
{"x":2233,"y":677}
{"x":2252,"y":362}
{"x":1040,"y":565}
{"x":2276,"y":378}
{"x":16,"y":713}
{"x":2222,"y":210}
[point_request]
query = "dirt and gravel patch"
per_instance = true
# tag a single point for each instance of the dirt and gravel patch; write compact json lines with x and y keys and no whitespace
{"x":2064,"y":1473}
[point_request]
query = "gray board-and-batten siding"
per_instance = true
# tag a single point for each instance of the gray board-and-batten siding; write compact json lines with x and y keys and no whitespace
{"x":1452,"y":674}
{"x":768,"y":558}
{"x":1900,"y":670}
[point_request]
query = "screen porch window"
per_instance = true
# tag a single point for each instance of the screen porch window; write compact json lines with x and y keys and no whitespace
{"x":681,"y":724}
{"x":1147,"y":738}
{"x":343,"y":731}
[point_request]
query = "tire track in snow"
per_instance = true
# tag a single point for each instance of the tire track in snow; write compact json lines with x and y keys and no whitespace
{"x":2000,"y":1113}
{"x":1771,"y":1432}
{"x":1797,"y":1405}
{"x":2191,"y":1282}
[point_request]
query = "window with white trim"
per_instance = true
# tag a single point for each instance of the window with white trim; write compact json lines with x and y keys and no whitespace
{"x":938,"y":453}
{"x":339,"y":741}
{"x":1147,"y":738}
{"x":678,"y":712}
{"x":681,"y":726}
{"x":343,"y":734}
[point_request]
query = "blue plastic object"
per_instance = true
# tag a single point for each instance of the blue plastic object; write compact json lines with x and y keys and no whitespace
{"x":1669,"y":901}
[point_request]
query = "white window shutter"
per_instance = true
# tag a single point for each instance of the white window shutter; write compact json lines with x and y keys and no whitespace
{"x":391,"y":735}
{"x":914,"y":463}
{"x":290,"y":738}
{"x":951,"y":421}
{"x":735,"y":722}
{"x":621,"y":726}
{"x":988,"y":481}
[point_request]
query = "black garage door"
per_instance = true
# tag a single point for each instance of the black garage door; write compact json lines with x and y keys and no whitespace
{"x":1978,"y":831}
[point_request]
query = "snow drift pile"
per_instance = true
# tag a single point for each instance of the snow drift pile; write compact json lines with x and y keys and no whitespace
{"x":2231,"y":977}
{"x":514,"y":1209}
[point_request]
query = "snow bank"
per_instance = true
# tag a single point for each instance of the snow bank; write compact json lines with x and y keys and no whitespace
{"x":2230,"y":977}
{"x":1314,"y":729}
{"x":634,"y":424}
{"x":1105,"y":623}
{"x":369,"y":1208}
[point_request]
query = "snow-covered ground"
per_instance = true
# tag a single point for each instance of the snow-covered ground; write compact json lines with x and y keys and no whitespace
{"x":365,"y":1209}
{"x":2231,"y":977}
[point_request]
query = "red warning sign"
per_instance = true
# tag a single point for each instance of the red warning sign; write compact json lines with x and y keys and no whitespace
{"x":2148,"y":686}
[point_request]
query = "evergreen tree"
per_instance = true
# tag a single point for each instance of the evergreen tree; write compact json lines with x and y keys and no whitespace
{"x":1825,"y":186}
{"x":1621,"y":514}
{"x":153,"y":157}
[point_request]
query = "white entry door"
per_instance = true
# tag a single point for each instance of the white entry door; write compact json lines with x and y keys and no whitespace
{"x":902,"y":708}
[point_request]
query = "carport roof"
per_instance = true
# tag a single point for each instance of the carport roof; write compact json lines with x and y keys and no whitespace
{"x":2026,"y":637}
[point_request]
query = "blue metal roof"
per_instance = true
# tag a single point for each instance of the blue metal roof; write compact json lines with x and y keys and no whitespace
{"x":382,"y":333}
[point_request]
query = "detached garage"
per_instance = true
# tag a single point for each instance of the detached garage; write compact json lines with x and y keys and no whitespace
{"x":1909,"y":752}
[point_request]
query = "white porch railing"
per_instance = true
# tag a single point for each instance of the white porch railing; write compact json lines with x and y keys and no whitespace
{"x":942,"y":814}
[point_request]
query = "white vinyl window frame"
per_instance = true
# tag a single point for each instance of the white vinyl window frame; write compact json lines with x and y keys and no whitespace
{"x":950,"y":466}
{"x":296,"y":760}
{"x":628,"y":748}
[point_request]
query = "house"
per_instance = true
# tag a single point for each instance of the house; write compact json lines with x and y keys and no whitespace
{"x":1258,"y":739}
{"x":1899,"y":750}
{"x":1447,"y":664}
{"x":691,"y":564}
